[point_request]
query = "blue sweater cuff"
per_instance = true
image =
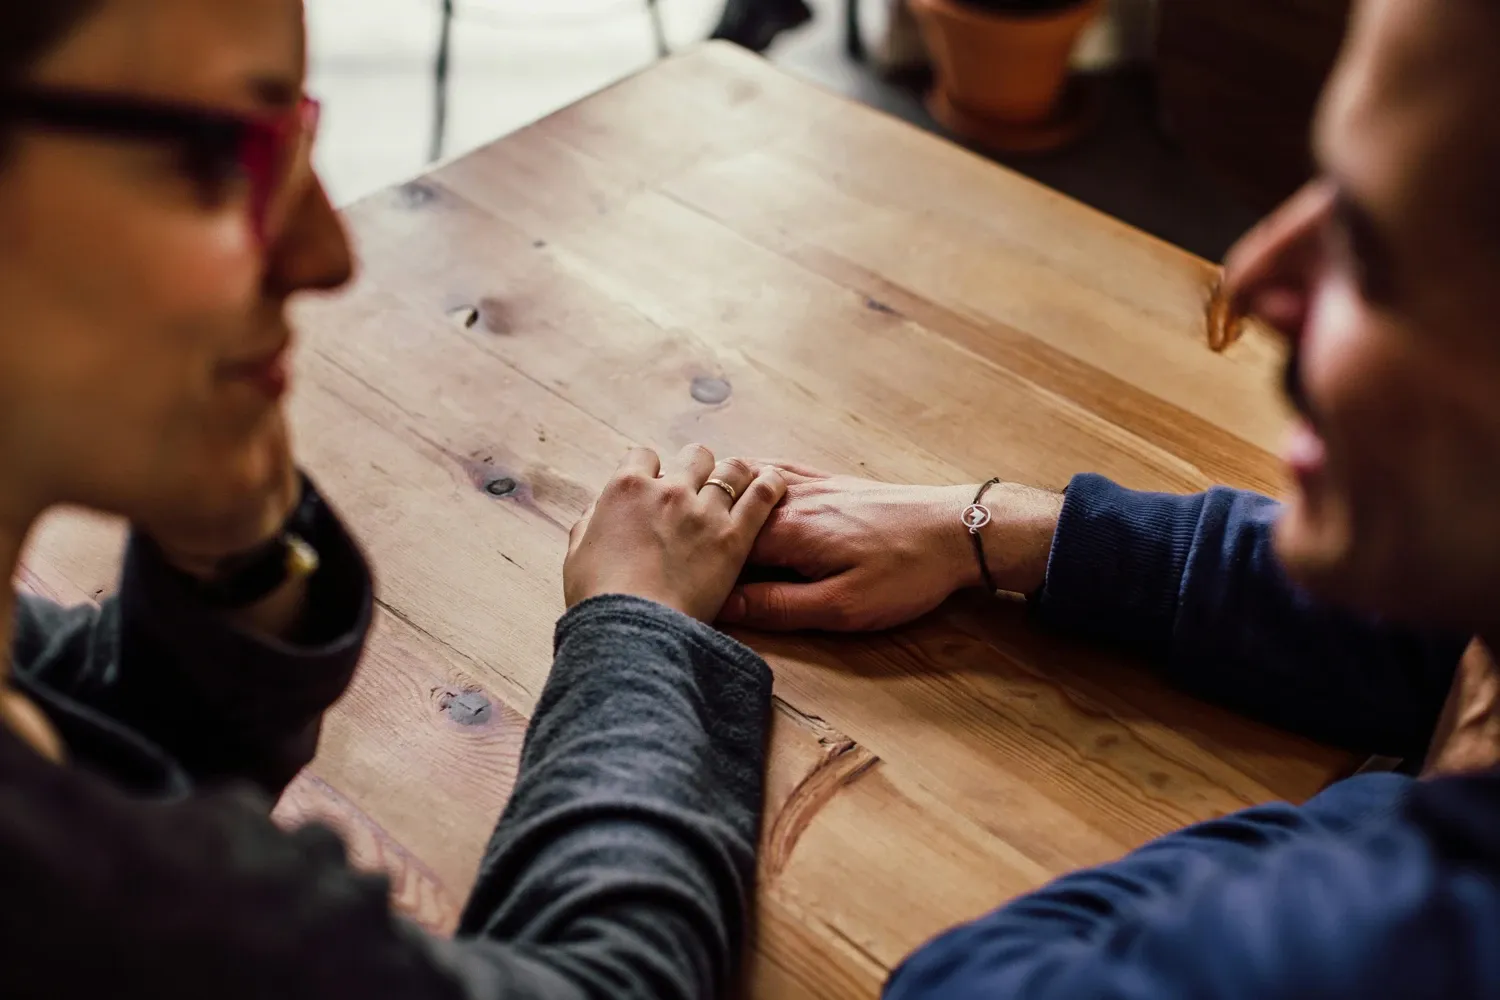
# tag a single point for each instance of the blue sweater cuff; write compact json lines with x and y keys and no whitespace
{"x":1115,"y":571}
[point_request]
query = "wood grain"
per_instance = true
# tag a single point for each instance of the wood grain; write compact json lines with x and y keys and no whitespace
{"x":712,"y":251}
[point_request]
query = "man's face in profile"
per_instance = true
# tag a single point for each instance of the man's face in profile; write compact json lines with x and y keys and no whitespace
{"x":1384,"y":275}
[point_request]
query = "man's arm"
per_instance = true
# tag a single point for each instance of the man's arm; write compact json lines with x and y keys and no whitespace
{"x":1362,"y":896}
{"x":621,"y":871}
{"x":225,"y":700}
{"x":1192,"y":583}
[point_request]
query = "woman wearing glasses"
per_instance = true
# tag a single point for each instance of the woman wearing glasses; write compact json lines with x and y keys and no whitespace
{"x":158,"y":210}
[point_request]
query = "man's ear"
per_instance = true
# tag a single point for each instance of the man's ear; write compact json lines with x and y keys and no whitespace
{"x":1467,"y":737}
{"x":20,"y":716}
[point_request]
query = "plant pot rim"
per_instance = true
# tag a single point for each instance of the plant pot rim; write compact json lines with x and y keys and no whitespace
{"x":960,"y":11}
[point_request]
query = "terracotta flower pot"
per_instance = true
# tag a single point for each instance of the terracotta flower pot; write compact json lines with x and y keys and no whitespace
{"x":1008,"y":68}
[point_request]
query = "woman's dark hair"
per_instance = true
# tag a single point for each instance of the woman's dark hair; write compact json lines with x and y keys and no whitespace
{"x":29,"y":30}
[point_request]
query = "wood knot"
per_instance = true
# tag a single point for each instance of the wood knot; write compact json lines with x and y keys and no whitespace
{"x":467,"y":708}
{"x":711,"y":391}
{"x":415,"y":194}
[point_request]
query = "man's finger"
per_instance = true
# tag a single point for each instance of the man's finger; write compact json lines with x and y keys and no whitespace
{"x":692,"y":467}
{"x":757,"y":501}
{"x":640,"y":462}
{"x":788,"y":607}
{"x":785,"y":541}
{"x":800,"y":470}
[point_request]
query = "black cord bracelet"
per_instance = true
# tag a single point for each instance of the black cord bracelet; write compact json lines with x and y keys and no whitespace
{"x":976,"y":516}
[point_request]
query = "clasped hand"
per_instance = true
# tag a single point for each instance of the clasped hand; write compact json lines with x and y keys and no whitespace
{"x":867,"y":555}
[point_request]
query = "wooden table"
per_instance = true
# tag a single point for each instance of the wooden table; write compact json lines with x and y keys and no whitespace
{"x":712,"y":251}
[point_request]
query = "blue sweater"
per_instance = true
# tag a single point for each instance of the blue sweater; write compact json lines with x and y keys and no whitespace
{"x":1380,"y":887}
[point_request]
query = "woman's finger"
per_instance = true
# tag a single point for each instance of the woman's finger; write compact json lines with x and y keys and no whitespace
{"x":757,"y":501}
{"x":575,"y":535}
{"x":640,"y":462}
{"x":733,"y":473}
{"x":692,"y":467}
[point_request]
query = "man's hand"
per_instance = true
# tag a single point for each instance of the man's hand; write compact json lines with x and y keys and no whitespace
{"x":1467,"y":738}
{"x":669,"y":536}
{"x":877,"y":555}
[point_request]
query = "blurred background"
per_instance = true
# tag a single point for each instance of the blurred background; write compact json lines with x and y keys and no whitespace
{"x":1166,"y":75}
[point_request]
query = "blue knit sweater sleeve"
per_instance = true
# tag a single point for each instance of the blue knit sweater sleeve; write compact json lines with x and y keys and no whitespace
{"x":1192,"y":583}
{"x":1381,"y":888}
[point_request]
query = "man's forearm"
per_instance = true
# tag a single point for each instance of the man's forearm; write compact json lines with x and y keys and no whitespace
{"x":1193,"y":583}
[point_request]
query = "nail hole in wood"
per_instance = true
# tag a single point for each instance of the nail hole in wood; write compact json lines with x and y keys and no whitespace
{"x":501,"y":487}
{"x":464,"y":316}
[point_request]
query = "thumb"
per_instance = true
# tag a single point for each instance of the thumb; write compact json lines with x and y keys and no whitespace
{"x":787,"y":607}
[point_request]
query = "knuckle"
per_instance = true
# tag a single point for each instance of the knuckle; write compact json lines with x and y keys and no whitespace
{"x":675,"y":494}
{"x":629,"y":484}
{"x":739,"y":468}
{"x":764,"y":492}
{"x":700,"y":451}
{"x":773,"y":606}
{"x":843,"y":612}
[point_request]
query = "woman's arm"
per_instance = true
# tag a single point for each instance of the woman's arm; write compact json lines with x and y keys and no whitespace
{"x":624,"y":864}
{"x":622,"y":868}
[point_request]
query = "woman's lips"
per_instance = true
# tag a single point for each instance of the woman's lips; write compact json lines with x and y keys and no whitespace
{"x":269,"y":376}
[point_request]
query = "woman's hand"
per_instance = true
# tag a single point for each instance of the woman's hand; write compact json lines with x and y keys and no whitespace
{"x":877,"y":555}
{"x":666,"y":534}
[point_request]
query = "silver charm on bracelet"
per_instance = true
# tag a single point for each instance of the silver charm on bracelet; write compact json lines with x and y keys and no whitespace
{"x":976,"y":516}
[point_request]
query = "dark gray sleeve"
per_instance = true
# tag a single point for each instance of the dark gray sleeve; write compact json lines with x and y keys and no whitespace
{"x":622,"y":868}
{"x":623,"y":865}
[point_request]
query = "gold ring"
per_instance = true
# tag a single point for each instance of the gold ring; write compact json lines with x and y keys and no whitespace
{"x":734,"y":494}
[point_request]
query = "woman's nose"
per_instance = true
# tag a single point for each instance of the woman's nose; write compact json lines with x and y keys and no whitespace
{"x":312,"y":251}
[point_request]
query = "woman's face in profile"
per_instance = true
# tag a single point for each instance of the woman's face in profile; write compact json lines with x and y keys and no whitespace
{"x":143,"y":283}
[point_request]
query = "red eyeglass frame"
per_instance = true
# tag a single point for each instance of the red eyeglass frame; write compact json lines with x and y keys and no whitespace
{"x":267,"y":146}
{"x":269,"y":152}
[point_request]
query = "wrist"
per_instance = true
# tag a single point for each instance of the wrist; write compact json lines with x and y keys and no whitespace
{"x":956,"y":541}
{"x":1018,"y":540}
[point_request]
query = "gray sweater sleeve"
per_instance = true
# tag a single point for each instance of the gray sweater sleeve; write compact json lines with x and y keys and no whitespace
{"x":621,"y":869}
{"x":623,"y":864}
